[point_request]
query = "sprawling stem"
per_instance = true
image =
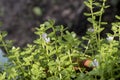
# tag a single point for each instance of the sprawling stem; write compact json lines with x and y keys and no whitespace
{"x":100,"y":19}
{"x":93,"y":21}
{"x":4,"y":44}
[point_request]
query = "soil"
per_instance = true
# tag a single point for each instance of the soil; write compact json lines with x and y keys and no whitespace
{"x":19,"y":20}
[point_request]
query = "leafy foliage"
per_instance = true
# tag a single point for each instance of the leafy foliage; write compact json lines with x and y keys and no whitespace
{"x":45,"y":59}
{"x":58,"y":54}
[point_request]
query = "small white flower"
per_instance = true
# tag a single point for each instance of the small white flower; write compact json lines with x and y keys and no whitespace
{"x":90,"y":29}
{"x":44,"y":36}
{"x":110,"y":38}
{"x":47,"y":40}
{"x":95,"y":63}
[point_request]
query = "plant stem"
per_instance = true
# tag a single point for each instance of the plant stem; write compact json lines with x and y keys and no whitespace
{"x":69,"y":56}
{"x":93,"y":22}
{"x":4,"y":44}
{"x":99,"y":24}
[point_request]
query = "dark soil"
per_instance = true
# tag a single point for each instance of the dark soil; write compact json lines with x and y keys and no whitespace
{"x":19,"y":20}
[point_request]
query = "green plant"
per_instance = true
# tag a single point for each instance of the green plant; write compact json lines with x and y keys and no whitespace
{"x":58,"y":54}
{"x":50,"y":57}
{"x":106,"y":51}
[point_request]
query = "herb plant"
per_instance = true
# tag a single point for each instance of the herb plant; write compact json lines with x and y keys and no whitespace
{"x":58,"y":54}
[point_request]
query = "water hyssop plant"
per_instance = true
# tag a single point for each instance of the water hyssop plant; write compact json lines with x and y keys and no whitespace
{"x":58,"y":54}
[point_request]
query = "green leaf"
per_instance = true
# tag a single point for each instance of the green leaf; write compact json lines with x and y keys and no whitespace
{"x":3,"y":33}
{"x":107,"y":6}
{"x":87,"y":4}
{"x":64,"y":57}
{"x":87,"y":14}
{"x":89,"y":19}
{"x":53,"y":78}
{"x":97,"y":4}
{"x":104,"y":23}
{"x":37,"y":11}
{"x":118,"y":17}
{"x":2,"y":76}
{"x":97,"y":13}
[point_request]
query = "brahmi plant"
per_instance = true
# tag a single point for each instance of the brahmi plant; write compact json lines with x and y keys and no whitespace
{"x":50,"y":57}
{"x":105,"y":50}
{"x":58,"y":54}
